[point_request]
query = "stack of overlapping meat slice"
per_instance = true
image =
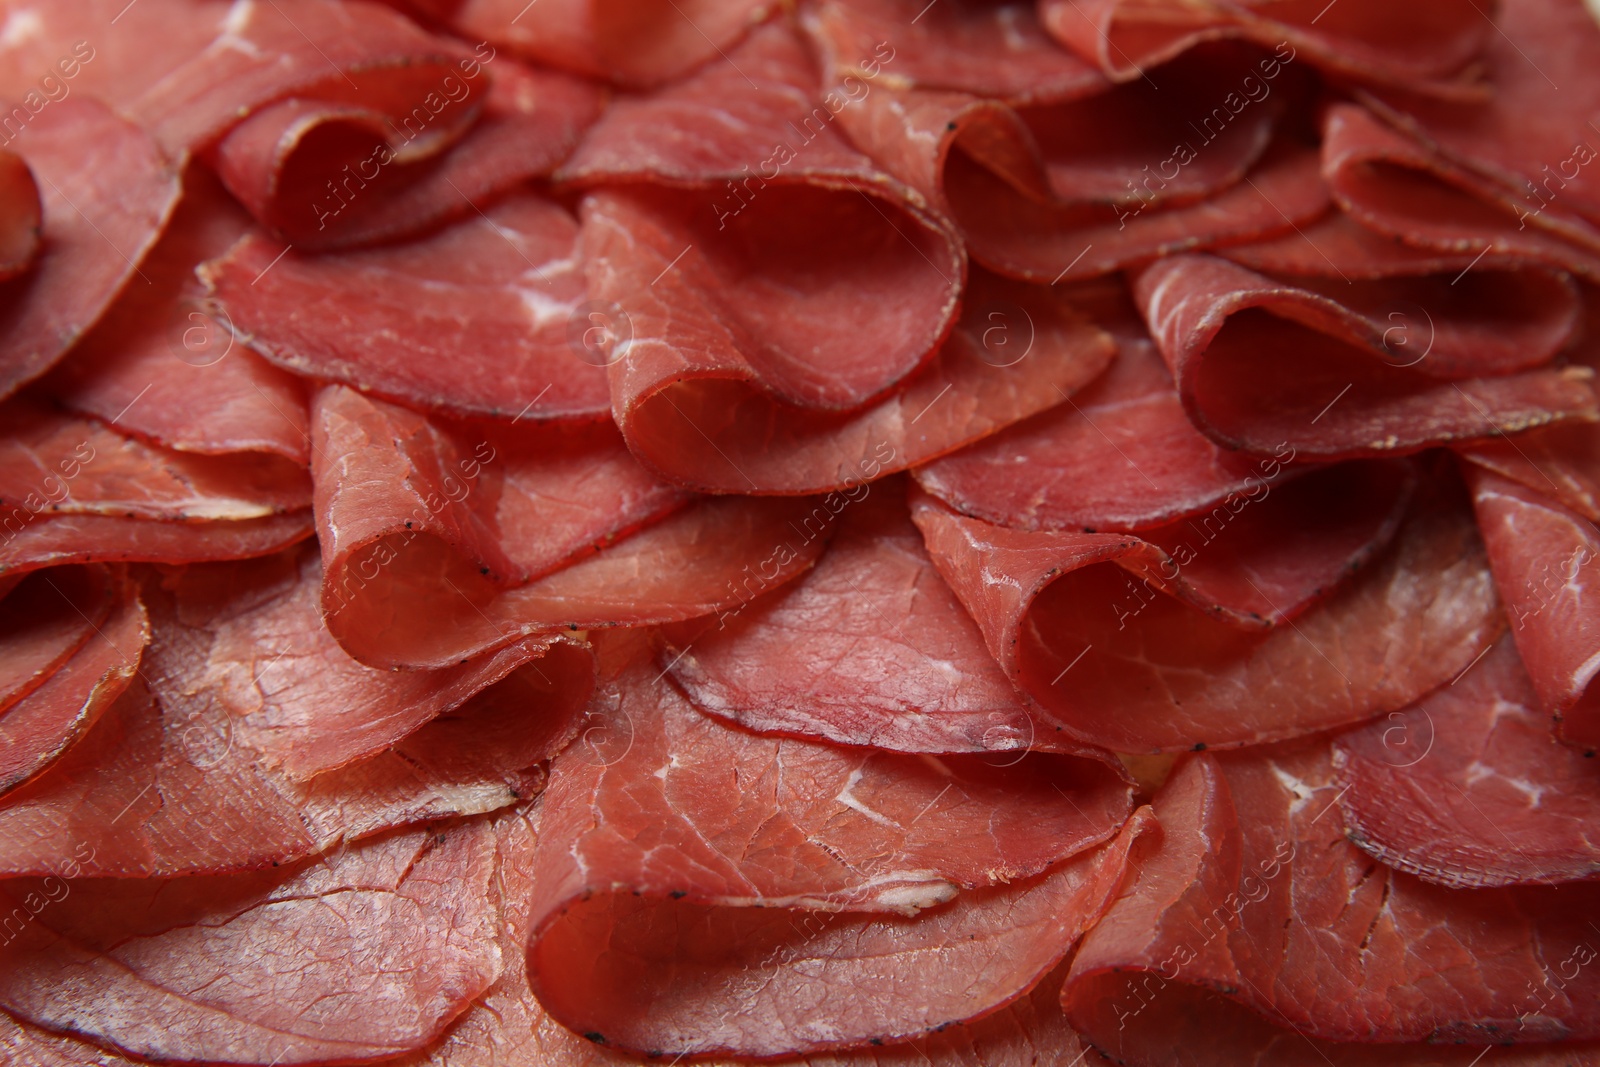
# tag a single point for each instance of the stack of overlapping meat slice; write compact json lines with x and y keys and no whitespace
{"x":851,"y":532}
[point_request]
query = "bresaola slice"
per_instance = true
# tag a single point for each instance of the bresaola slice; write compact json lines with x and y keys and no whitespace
{"x":1422,"y":46}
{"x":22,"y":216}
{"x":48,"y":618}
{"x":1396,"y":185}
{"x":995,"y":50}
{"x":1546,"y":562}
{"x":1254,"y":926}
{"x":106,"y":190}
{"x":1120,"y":455}
{"x":509,"y":531}
{"x":1083,"y":186}
{"x":364,"y":954}
{"x":58,"y":540}
{"x":1187,"y":635}
{"x":1537,"y":61}
{"x":188,"y":771}
{"x":509,"y":1026}
{"x":636,"y":43}
{"x":1259,"y":364}
{"x":649,"y":845}
{"x":745,"y":240}
{"x":411,"y":322}
{"x":162,"y":367}
{"x":869,"y":647}
{"x":1465,"y":788}
{"x":50,"y":717}
{"x":313,"y":185}
{"x":1018,"y":349}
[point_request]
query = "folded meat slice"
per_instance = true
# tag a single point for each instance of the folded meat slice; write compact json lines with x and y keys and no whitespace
{"x":53,"y":464}
{"x":1423,"y":46}
{"x":106,"y":192}
{"x":1260,"y":364}
{"x":1192,"y":636}
{"x":47,"y":619}
{"x":1254,"y":928}
{"x":1396,"y":184}
{"x":22,"y":218}
{"x":188,"y":772}
{"x":58,"y":540}
{"x":508,"y":1026}
{"x":509,"y":531}
{"x":360,"y":955}
{"x":1546,"y":562}
{"x":45,"y":719}
{"x":165,"y":367}
{"x":324,"y":176}
{"x":1445,"y":313}
{"x":1537,"y":61}
{"x":1018,"y":349}
{"x":1465,"y":789}
{"x":988,"y":49}
{"x":637,"y":43}
{"x":743,"y":240}
{"x":417,"y":322}
{"x":1100,"y":180}
{"x":870,"y":647}
{"x":810,"y":899}
{"x":1120,"y":455}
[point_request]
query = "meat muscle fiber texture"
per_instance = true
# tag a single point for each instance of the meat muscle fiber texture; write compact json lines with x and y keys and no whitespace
{"x":185,"y":773}
{"x":1465,"y":787}
{"x":869,"y":647}
{"x":1077,"y":632}
{"x":854,"y":837}
{"x":358,"y":955}
{"x":1254,"y":919}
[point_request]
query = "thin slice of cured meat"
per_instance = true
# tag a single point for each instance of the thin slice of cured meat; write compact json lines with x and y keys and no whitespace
{"x":1018,"y":349}
{"x":509,"y":1026}
{"x":1168,"y":636}
{"x":1466,"y":789}
{"x":1427,"y":47}
{"x":36,"y":729}
{"x":1561,"y":461}
{"x":1260,"y":364}
{"x":1120,"y":455}
{"x":341,"y":55}
{"x":360,"y":955}
{"x":636,"y":43}
{"x":46,"y":619}
{"x":648,"y":845}
{"x":22,"y":218}
{"x":412,"y":322}
{"x":107,"y":191}
{"x":54,"y":464}
{"x":184,"y":774}
{"x":1253,"y":927}
{"x":997,"y":50}
{"x":1546,"y":562}
{"x":1538,"y":62}
{"x":870,"y":647}
{"x":505,"y":532}
{"x":1395,"y":184}
{"x":160,"y":366}
{"x":323,"y":178}
{"x":1085,"y":186}
{"x":56,"y":540}
{"x":294,"y":696}
{"x":1443,"y":313}
{"x":743,"y":239}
